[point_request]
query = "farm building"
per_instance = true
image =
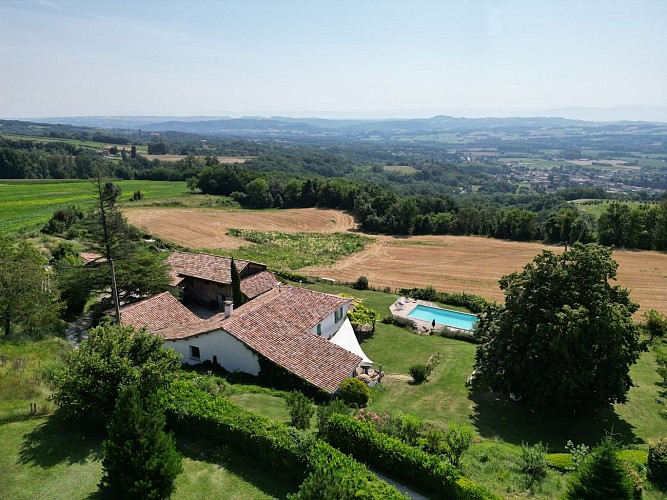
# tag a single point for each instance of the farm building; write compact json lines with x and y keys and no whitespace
{"x":305,"y":332}
{"x":206,"y":279}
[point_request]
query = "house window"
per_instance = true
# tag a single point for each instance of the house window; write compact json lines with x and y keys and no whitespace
{"x":340,"y":313}
{"x":194,"y":352}
{"x":319,"y":329}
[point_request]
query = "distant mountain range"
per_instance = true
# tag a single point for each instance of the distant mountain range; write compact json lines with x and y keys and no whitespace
{"x":279,"y":126}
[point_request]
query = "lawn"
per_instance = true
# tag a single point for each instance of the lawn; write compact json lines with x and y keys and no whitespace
{"x":21,"y":364}
{"x":45,"y":458}
{"x":29,"y":204}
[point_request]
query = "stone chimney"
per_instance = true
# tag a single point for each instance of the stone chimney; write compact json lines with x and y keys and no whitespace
{"x":229,"y":307}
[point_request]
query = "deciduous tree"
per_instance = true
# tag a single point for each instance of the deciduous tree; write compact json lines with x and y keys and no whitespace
{"x":28,"y":298}
{"x":565,"y":336}
{"x":113,"y":357}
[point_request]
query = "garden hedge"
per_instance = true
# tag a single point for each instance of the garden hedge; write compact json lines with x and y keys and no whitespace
{"x":407,"y":463}
{"x":281,"y":447}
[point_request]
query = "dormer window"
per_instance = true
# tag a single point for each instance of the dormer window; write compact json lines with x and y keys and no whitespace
{"x":319,"y":329}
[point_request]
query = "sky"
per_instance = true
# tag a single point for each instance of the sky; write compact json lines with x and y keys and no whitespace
{"x":342,"y":59}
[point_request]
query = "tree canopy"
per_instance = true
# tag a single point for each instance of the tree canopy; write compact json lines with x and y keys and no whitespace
{"x":565,"y":336}
{"x":29,"y":301}
{"x":113,"y":357}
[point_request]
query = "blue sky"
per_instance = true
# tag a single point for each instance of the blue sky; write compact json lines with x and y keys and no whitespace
{"x":329,"y":58}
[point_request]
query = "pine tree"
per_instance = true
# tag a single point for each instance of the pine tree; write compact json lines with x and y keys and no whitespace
{"x":140,"y":459}
{"x":237,"y":295}
{"x":601,"y":476}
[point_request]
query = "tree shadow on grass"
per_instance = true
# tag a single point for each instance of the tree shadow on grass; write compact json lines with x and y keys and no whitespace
{"x":497,"y":416}
{"x":251,"y":470}
{"x":57,"y":441}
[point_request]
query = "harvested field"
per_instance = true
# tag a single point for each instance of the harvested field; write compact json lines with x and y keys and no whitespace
{"x":201,"y":228}
{"x":221,"y":159}
{"x":449,"y":263}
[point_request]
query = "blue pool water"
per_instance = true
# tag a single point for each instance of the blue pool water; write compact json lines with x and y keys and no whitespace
{"x":444,"y":317}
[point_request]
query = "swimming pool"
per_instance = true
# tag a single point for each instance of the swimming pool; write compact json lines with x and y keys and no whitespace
{"x":444,"y":317}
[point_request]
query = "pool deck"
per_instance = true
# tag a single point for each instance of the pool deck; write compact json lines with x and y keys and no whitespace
{"x":402,"y":307}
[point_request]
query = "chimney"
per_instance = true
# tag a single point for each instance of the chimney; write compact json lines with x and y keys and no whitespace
{"x":229,"y":307}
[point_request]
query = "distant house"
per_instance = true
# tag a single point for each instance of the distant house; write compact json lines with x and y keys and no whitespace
{"x":305,"y":332}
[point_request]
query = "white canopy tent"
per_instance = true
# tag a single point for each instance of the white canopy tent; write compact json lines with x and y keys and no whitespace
{"x":346,"y":339}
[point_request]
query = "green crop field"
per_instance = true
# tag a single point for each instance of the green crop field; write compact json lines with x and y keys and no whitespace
{"x":30,"y":203}
{"x":75,"y":142}
{"x":598,"y":207}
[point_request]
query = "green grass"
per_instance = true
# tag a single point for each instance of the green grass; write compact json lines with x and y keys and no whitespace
{"x":599,"y":208}
{"x":400,"y":169}
{"x":75,"y":142}
{"x":21,"y":364}
{"x":29,"y":204}
{"x":285,"y":251}
{"x":444,"y":397}
{"x":46,"y":458}
{"x":273,"y":407}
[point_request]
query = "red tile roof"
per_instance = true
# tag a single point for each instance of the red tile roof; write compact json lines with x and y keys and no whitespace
{"x":277,"y":326}
{"x":156,"y":313}
{"x":257,"y":284}
{"x":89,"y":257}
{"x":203,"y":266}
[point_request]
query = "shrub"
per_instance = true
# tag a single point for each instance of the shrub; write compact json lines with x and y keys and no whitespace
{"x":111,"y":358}
{"x":601,"y":476}
{"x":337,"y":476}
{"x":410,"y":428}
{"x":406,"y":463}
{"x":655,"y":323}
{"x":657,"y":462}
{"x":354,"y":392}
{"x":300,"y":409}
{"x":361,"y":283}
{"x":578,"y":452}
{"x":419,"y":372}
{"x":661,"y":361}
{"x":457,"y":440}
{"x":286,"y":449}
{"x":325,"y":411}
{"x":533,"y":461}
{"x":140,"y":459}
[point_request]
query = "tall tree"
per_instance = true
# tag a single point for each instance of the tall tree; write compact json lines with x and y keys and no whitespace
{"x":564,"y":337}
{"x":28,"y":298}
{"x":140,"y":458}
{"x":237,"y":295}
{"x":130,"y":271}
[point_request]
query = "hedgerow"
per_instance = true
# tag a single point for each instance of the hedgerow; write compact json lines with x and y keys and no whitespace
{"x":404,"y":462}
{"x":474,"y":303}
{"x":283,"y":448}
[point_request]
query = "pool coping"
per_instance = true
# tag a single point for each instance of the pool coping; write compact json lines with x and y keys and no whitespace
{"x":402,"y":307}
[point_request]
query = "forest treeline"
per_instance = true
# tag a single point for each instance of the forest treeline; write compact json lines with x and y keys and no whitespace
{"x":437,"y":198}
{"x":546,"y":217}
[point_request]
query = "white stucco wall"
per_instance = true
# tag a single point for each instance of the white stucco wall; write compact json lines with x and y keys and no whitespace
{"x":329,"y":325}
{"x":231,"y":354}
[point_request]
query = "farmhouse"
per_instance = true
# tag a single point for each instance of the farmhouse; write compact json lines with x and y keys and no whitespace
{"x":305,"y":332}
{"x":206,"y":279}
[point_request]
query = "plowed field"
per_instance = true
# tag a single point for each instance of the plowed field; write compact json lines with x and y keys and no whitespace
{"x":449,"y":263}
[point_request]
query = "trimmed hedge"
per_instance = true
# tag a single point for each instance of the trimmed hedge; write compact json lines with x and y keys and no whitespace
{"x":197,"y":412}
{"x":281,"y":447}
{"x":404,"y":462}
